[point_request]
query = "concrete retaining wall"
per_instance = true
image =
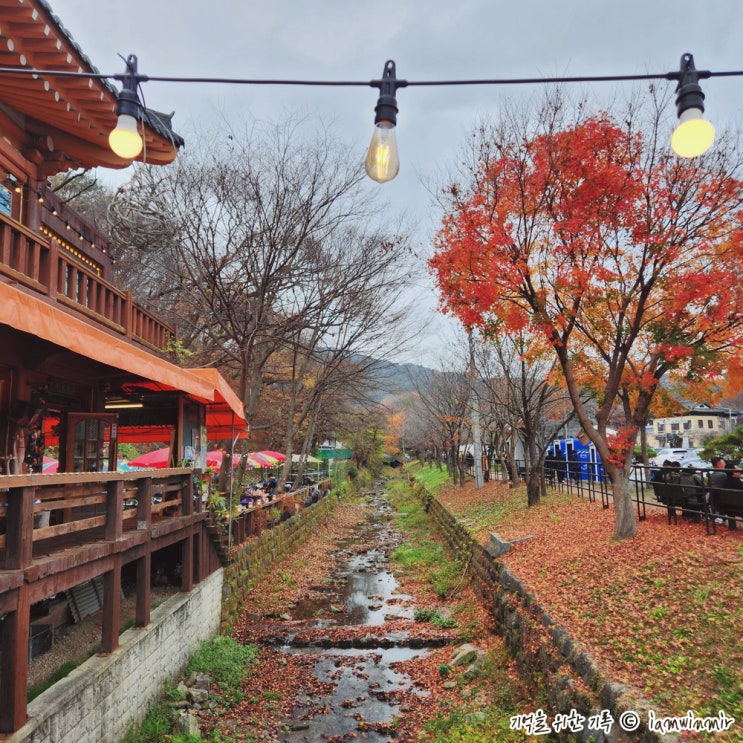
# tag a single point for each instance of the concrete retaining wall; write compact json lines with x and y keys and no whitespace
{"x":541,"y":649}
{"x":98,"y":701}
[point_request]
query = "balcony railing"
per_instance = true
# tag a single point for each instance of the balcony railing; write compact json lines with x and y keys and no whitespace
{"x":47,"y":513}
{"x":41,"y":266}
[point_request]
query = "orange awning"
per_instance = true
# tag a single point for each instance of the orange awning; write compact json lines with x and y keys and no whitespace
{"x":31,"y":315}
{"x":222,"y":391}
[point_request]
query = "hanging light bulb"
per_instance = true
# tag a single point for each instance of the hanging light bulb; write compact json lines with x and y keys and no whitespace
{"x":694,"y":135}
{"x":382,"y":159}
{"x":125,"y":140}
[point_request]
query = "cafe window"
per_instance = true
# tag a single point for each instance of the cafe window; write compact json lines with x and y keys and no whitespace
{"x":91,"y":442}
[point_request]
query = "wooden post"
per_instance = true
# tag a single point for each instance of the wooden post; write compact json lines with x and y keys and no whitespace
{"x":20,"y":528}
{"x":203,"y":556}
{"x":144,"y":503}
{"x":111,"y":607}
{"x":128,"y":314}
{"x":114,"y":510}
{"x":187,"y":562}
{"x":144,"y":593}
{"x":14,"y":632}
{"x":50,"y":278}
{"x":198,"y":553}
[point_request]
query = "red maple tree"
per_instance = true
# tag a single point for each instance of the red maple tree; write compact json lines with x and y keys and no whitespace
{"x":628,"y":260}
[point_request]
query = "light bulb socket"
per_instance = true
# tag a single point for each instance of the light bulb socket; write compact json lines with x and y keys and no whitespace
{"x":386,"y":108}
{"x":688,"y":92}
{"x":127,"y":103}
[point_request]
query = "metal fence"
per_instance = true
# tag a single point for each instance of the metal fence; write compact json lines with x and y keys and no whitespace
{"x":652,"y":487}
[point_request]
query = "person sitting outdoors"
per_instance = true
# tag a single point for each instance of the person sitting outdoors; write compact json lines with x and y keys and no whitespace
{"x":273,"y":482}
{"x":692,"y":488}
{"x":730,"y":505}
{"x":718,"y":478}
{"x":659,"y":479}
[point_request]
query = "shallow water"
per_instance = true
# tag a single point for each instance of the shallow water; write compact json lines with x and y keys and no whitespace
{"x":366,"y":690}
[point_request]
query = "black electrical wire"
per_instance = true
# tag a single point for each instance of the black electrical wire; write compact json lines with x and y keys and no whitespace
{"x":369,"y":83}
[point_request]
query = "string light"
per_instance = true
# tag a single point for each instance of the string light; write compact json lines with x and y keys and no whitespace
{"x":54,"y":211}
{"x":125,"y":140}
{"x":71,"y":249}
{"x":693,"y":135}
{"x":382,"y":159}
{"x":130,"y":109}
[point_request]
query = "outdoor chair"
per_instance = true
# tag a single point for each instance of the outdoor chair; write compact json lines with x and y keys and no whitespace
{"x":730,"y":505}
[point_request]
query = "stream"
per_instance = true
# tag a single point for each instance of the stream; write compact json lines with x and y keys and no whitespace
{"x":362,"y":689}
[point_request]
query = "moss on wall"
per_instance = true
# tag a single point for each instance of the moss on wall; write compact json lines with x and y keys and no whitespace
{"x":558,"y":667}
{"x":253,"y":560}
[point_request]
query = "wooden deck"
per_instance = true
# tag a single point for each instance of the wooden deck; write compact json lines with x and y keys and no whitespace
{"x":58,"y":531}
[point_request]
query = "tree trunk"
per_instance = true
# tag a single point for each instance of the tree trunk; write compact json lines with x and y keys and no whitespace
{"x":625,"y":525}
{"x":532,"y":486}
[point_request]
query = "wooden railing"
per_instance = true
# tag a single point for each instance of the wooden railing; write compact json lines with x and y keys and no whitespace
{"x":58,"y":531}
{"x":47,"y":512}
{"x":45,"y":268}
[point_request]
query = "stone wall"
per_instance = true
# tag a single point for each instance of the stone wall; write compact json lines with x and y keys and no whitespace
{"x":542,"y":650}
{"x":252,"y":561}
{"x":98,"y":701}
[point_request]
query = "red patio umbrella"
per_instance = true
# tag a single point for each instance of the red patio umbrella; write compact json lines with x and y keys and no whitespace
{"x":214,"y":459}
{"x":158,"y":459}
{"x":49,"y":465}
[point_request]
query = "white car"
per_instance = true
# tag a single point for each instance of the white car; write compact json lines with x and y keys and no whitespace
{"x":676,"y":455}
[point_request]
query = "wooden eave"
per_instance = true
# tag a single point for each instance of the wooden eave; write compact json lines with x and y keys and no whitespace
{"x":76,"y":112}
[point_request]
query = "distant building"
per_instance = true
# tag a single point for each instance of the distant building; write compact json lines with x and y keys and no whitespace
{"x":332,"y":449}
{"x":692,"y":428}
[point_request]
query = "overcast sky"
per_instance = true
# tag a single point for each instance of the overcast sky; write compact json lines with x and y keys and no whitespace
{"x":428,"y":40}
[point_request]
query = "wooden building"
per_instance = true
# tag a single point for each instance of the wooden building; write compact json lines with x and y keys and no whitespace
{"x":81,"y":364}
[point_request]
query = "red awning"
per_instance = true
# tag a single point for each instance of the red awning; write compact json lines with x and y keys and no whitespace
{"x":224,"y":410}
{"x":225,"y":417}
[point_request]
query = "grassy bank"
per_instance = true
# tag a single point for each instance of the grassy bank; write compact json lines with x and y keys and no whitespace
{"x":661,"y":612}
{"x":480,"y":711}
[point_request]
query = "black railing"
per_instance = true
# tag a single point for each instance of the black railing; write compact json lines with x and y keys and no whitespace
{"x":689,"y":492}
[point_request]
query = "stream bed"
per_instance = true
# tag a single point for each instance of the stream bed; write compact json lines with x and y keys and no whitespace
{"x":349,"y":632}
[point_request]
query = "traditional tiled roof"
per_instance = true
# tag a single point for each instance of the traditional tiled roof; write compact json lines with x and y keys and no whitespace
{"x":63,"y":120}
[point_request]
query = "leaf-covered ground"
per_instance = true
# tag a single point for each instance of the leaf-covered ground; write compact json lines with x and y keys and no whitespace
{"x":662,"y":612}
{"x":438,"y":702}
